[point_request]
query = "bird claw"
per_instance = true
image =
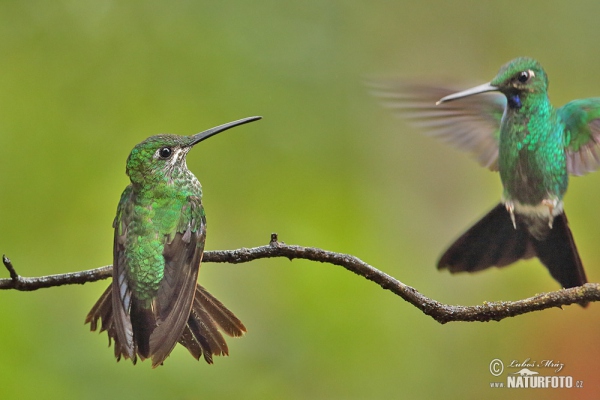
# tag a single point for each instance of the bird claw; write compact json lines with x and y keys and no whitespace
{"x":551,"y":204}
{"x":510,"y":207}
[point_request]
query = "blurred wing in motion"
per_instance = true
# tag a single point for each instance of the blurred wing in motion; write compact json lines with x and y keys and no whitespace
{"x":471,"y":124}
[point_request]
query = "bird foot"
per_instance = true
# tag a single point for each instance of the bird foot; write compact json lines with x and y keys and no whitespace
{"x":551,"y":204}
{"x":510,"y":207}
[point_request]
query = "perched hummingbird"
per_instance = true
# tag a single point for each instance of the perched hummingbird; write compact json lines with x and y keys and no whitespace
{"x":533,"y":145}
{"x":160,"y":228}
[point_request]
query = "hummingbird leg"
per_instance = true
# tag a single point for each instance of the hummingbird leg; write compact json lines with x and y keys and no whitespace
{"x":510,"y":207}
{"x":551,"y":204}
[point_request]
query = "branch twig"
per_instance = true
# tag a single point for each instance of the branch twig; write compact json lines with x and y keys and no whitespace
{"x":442,"y":313}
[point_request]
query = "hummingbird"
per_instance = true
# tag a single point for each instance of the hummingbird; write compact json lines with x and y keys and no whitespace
{"x":154,"y":300}
{"x":511,"y":127}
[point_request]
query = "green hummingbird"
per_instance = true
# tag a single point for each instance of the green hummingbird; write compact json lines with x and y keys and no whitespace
{"x":154,"y":300}
{"x":533,"y":145}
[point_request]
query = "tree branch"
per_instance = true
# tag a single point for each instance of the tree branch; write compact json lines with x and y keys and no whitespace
{"x":442,"y":313}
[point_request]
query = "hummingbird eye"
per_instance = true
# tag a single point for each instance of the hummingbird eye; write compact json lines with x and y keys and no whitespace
{"x":165,"y":152}
{"x":525,"y":76}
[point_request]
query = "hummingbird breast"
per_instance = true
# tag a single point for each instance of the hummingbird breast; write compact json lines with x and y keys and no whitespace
{"x":155,"y":219}
{"x":147,"y":233}
{"x":532,"y":157}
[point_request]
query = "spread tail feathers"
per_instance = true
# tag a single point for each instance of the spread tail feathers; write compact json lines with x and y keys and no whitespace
{"x":494,"y":241}
{"x":201,"y":335}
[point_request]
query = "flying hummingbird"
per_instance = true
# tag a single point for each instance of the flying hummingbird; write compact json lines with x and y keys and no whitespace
{"x":533,"y":145}
{"x":154,"y":300}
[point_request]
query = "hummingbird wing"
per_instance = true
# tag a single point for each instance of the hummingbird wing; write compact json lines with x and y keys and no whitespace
{"x":175,"y":296}
{"x":122,"y":328}
{"x":582,"y":132}
{"x":114,"y":309}
{"x":471,"y":123}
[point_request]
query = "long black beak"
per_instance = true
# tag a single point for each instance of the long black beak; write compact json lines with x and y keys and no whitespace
{"x":198,"y":137}
{"x":486,"y":87}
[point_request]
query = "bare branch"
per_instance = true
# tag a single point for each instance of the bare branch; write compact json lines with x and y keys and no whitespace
{"x":18,"y":282}
{"x":442,"y":313}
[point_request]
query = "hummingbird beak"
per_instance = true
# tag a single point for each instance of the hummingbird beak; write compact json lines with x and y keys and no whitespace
{"x":197,"y":138}
{"x":486,"y":87}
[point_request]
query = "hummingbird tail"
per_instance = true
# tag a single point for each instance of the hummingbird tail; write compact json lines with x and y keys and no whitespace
{"x":201,"y":335}
{"x":224,"y":318}
{"x":143,"y":323}
{"x":103,"y":310}
{"x":559,"y":254}
{"x":494,"y":241}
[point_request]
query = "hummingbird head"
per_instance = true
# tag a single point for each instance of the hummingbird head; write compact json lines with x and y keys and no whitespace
{"x":517,"y":79}
{"x":157,"y":157}
{"x":160,"y":157}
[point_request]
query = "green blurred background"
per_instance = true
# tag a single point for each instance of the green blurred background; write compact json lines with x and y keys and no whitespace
{"x":81,"y":82}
